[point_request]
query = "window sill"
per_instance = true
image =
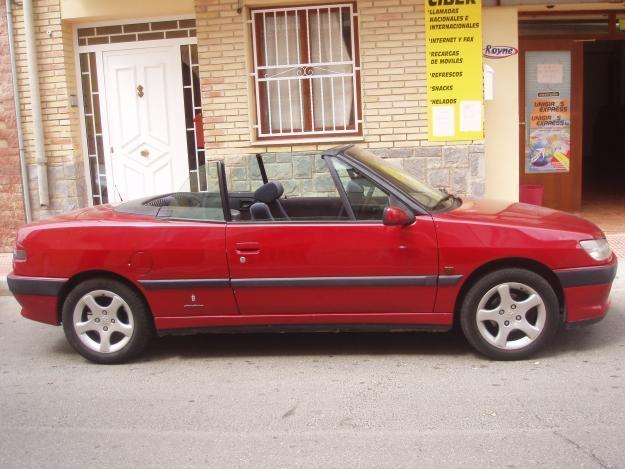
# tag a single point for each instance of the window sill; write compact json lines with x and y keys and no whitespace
{"x":303,"y":141}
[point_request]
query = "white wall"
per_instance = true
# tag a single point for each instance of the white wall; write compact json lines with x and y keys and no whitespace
{"x":502,"y":113}
{"x":95,"y":10}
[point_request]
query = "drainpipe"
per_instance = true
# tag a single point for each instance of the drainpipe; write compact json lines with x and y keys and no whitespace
{"x":18,"y":116}
{"x":33,"y":77}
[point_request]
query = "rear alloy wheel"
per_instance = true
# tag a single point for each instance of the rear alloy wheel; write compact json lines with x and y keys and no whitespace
{"x":510,"y":314}
{"x":106,"y":321}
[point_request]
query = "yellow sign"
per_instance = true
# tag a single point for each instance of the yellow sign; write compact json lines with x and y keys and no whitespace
{"x":453,"y":34}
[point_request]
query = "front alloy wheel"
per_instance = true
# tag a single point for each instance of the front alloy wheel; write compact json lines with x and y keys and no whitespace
{"x":510,"y":314}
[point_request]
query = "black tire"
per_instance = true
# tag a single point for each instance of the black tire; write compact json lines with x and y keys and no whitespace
{"x":119,"y":317}
{"x":484,"y":295}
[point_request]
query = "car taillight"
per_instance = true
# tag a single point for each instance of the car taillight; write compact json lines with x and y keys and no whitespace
{"x":19,"y":253}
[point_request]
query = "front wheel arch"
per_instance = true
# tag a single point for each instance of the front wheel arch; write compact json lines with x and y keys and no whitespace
{"x":92,"y":274}
{"x":520,"y":263}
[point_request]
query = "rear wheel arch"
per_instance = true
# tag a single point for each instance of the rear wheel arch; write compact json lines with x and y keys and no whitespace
{"x":519,"y":263}
{"x":93,"y":274}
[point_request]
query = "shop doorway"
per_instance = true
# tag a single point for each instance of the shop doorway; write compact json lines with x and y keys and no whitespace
{"x":572,"y":112}
{"x":551,"y":107}
{"x":603,"y":166}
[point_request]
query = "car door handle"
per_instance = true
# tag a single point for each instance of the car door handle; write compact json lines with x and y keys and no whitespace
{"x":247,"y":248}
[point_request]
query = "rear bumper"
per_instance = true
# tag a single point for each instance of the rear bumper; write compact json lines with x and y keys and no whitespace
{"x":587,"y":292}
{"x":37,"y":296}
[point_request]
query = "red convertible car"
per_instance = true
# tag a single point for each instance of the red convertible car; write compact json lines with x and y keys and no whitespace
{"x":365,"y":247}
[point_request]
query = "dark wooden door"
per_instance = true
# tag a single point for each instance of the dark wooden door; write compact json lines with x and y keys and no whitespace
{"x":550,"y":93}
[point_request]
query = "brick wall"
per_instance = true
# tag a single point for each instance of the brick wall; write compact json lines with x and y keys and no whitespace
{"x":392,"y":54}
{"x":60,"y":120}
{"x":11,"y":199}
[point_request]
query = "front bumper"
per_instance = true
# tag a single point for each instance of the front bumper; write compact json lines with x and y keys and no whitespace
{"x":587,"y":292}
{"x":37,"y":296}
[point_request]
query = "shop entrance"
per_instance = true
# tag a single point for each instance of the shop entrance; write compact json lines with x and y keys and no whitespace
{"x":551,"y":107}
{"x":603,"y":167}
{"x":572,"y":111}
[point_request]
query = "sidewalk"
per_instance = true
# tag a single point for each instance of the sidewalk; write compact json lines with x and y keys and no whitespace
{"x":6,"y":265}
{"x":617,"y":242}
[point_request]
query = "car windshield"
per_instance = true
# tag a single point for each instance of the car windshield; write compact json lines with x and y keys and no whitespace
{"x":425,"y":194}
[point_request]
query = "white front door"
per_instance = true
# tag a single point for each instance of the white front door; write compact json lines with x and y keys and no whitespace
{"x":146,"y":127}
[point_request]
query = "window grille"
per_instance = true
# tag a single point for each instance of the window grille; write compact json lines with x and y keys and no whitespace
{"x":306,"y":71}
{"x":193,"y":117}
{"x":93,"y":127}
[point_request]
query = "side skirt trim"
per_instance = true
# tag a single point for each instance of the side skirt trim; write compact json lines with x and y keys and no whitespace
{"x":294,"y":328}
{"x":185,"y":283}
{"x":382,"y":281}
{"x":448,"y":280}
{"x":390,"y":281}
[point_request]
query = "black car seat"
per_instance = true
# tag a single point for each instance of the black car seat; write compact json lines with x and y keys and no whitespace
{"x":267,"y":205}
{"x":260,"y":211}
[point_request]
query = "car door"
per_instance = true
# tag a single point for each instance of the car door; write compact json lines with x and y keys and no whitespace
{"x":180,"y":260}
{"x":341,"y":267}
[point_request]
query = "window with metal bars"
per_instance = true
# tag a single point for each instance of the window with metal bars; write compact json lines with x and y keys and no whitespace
{"x":306,"y":71}
{"x":93,"y":127}
{"x":193,"y":117}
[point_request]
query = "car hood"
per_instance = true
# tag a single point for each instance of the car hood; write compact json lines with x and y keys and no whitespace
{"x":520,"y":215}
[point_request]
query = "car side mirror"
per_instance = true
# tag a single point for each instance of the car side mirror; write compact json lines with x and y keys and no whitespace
{"x":395,"y":216}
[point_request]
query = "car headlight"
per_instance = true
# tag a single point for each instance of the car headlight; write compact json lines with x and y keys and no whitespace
{"x":598,"y":249}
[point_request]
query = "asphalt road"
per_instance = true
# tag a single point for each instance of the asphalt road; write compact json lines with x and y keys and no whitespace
{"x":317,"y":400}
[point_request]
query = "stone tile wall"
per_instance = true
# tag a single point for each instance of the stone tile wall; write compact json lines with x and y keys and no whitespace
{"x":458,"y":169}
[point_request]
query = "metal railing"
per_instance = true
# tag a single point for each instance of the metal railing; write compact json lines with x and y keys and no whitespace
{"x":305,"y":71}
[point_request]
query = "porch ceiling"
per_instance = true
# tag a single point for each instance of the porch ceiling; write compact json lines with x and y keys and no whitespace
{"x":97,"y":10}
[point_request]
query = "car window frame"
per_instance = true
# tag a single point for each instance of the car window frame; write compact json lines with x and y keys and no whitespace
{"x":377,"y":185}
{"x":223,"y":190}
{"x":379,"y":180}
{"x":406,"y":203}
{"x":339,"y":188}
{"x":223,"y":186}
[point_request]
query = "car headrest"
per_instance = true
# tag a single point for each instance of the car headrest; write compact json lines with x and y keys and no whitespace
{"x":269,"y":192}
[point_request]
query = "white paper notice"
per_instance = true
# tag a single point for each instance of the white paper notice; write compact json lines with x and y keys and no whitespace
{"x":489,"y":83}
{"x":443,"y":121}
{"x":470,"y":116}
{"x":552,"y":74}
